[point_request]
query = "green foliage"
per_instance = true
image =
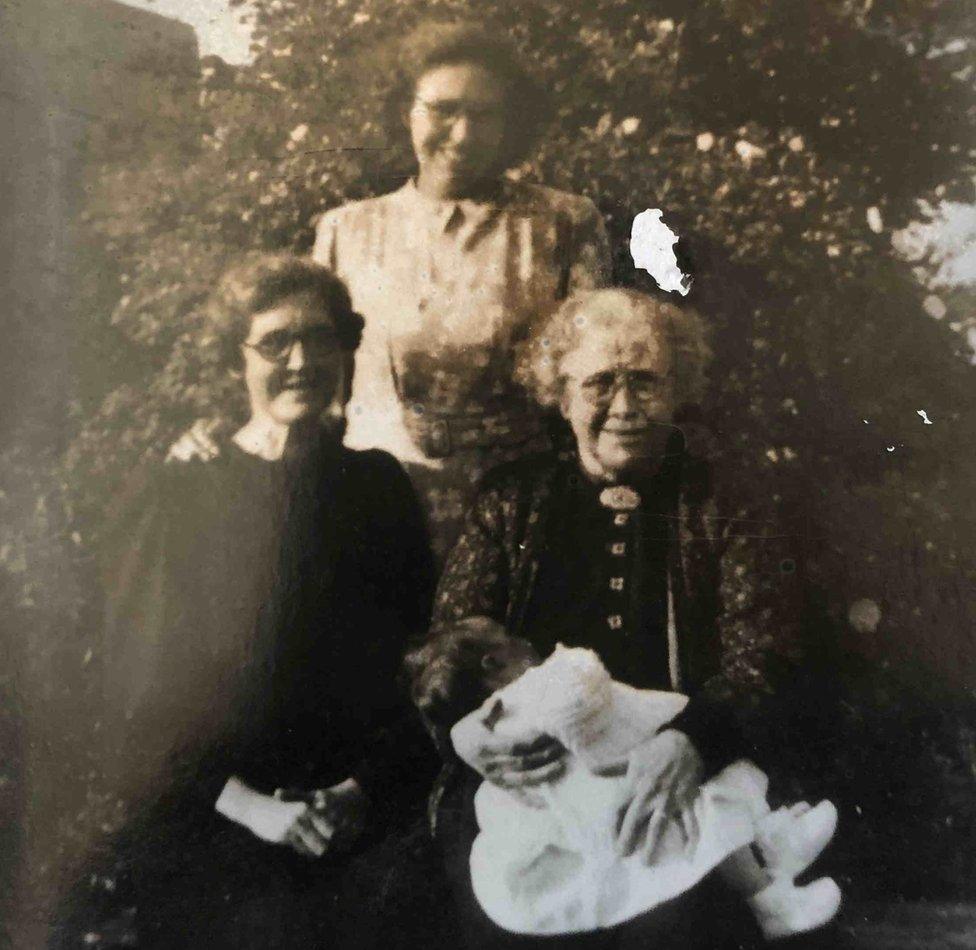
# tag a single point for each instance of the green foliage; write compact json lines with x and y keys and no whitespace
{"x":784,"y":140}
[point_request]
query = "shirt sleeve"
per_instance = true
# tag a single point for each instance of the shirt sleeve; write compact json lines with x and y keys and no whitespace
{"x":134,"y":553}
{"x":590,"y":266}
{"x":759,"y":626}
{"x":325,"y":248}
{"x":144,"y":618}
{"x":398,"y":761}
{"x":475,"y":580}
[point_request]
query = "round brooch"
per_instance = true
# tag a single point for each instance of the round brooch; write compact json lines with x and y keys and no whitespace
{"x":619,"y":498}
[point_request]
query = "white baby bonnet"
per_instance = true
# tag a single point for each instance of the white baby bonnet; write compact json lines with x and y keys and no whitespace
{"x":544,"y":861}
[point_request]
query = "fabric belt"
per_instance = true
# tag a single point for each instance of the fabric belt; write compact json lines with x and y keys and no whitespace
{"x":442,"y":434}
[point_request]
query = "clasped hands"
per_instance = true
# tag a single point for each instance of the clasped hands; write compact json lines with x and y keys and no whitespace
{"x":313,"y":823}
{"x":663,"y":778}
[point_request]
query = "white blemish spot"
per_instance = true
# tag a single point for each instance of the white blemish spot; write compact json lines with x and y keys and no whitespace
{"x":652,"y":248}
{"x":864,"y":615}
{"x":924,"y":416}
{"x":875,"y":221}
{"x":891,"y":448}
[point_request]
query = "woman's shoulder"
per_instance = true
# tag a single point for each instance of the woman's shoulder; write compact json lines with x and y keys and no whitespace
{"x":354,"y":212}
{"x":522,"y":475}
{"x":371,"y":462}
{"x":190,"y":483}
{"x":227,"y":457}
{"x":577,"y":208}
{"x":155,"y":494}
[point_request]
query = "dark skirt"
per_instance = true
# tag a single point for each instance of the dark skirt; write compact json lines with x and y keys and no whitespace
{"x":167,"y":885}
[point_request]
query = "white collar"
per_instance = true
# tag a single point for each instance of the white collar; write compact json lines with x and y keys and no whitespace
{"x":445,"y":211}
{"x":263,"y":438}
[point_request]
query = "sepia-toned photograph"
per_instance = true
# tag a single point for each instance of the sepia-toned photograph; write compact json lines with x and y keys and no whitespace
{"x":488,"y":474}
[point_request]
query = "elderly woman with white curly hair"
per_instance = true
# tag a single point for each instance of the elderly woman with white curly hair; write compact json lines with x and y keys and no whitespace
{"x":622,"y":547}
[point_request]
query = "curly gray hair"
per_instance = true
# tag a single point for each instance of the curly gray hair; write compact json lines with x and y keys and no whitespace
{"x":629,"y":315}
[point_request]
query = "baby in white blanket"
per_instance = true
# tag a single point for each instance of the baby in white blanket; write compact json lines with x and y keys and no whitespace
{"x":545,"y":860}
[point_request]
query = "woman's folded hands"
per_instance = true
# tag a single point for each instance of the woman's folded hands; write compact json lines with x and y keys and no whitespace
{"x":312,"y":823}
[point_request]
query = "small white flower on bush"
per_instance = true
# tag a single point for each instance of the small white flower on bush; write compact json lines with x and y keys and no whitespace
{"x":749,"y":152}
{"x":705,"y":141}
{"x":934,"y":307}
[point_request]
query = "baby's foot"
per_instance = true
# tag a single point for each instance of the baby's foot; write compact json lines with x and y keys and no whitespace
{"x":791,"y":839}
{"x":782,"y":909}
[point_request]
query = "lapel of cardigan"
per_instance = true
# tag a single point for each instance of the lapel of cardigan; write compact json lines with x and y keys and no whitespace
{"x":679,"y":632}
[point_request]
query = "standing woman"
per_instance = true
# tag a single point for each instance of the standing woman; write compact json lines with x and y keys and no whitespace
{"x":451,"y":270}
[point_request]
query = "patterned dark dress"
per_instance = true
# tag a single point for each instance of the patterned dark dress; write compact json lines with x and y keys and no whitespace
{"x":670,"y":592}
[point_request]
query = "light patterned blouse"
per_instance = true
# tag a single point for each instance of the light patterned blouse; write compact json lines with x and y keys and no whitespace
{"x":447,"y":289}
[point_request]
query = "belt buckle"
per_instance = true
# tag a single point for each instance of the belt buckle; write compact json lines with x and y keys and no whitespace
{"x":439,"y":439}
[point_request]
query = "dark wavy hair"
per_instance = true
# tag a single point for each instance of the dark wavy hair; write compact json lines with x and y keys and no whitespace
{"x":257,"y":281}
{"x":449,"y":675}
{"x":440,"y":43}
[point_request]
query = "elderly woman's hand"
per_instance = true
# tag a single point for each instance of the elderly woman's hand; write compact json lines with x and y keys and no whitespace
{"x":512,"y":766}
{"x":665,"y":774}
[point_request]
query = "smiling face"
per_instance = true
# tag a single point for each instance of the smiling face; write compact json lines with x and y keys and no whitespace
{"x":457,"y":126}
{"x":619,"y":399}
{"x":293,"y":363}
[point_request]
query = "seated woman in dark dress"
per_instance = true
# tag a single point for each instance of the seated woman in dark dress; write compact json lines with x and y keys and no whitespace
{"x":258,"y":605}
{"x":620,"y":547}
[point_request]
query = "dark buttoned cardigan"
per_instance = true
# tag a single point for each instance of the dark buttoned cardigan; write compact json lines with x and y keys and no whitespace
{"x":734,"y":580}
